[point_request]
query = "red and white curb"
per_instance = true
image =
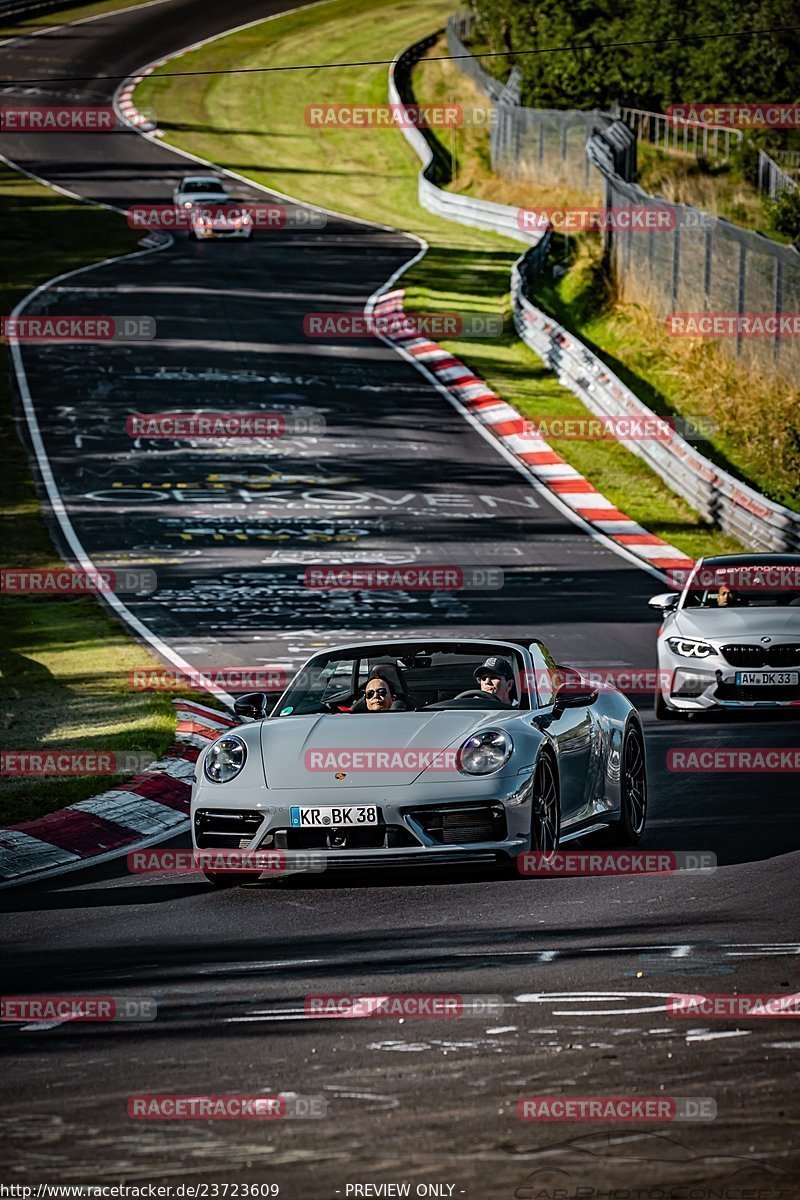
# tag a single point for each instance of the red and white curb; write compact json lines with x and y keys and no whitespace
{"x":508,"y":426}
{"x":128,"y":110}
{"x":152,"y":806}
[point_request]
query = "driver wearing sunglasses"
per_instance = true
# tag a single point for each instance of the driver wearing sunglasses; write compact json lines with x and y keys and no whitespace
{"x":379,"y":695}
{"x":385,"y":691}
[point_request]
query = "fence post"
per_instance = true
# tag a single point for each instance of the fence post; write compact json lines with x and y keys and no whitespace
{"x":741,"y":293}
{"x":676,"y":264}
{"x":776,"y":341}
{"x":709,"y":251}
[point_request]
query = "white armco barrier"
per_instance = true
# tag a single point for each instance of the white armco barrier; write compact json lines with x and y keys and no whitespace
{"x":482,"y":214}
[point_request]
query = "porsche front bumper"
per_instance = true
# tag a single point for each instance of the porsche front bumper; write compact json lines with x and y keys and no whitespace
{"x":478,"y":820}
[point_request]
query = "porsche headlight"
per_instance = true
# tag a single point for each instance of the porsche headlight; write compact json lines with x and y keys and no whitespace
{"x":688,"y":648}
{"x":485,"y":752}
{"x":225,"y":759}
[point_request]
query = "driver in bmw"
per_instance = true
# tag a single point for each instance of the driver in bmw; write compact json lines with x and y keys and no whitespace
{"x":496,"y":678}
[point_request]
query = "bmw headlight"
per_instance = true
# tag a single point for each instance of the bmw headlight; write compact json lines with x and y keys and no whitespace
{"x":688,"y":648}
{"x":225,"y":759}
{"x":485,"y":752}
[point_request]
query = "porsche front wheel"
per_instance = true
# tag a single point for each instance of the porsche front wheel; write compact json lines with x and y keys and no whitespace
{"x":633,"y":787}
{"x":545,"y":807}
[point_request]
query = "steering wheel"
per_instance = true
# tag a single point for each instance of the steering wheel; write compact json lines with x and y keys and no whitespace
{"x":478,"y":694}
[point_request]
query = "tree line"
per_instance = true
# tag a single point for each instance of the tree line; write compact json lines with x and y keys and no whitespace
{"x":692,"y":69}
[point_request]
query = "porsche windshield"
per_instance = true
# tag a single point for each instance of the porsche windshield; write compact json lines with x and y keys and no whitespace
{"x":428,"y":675}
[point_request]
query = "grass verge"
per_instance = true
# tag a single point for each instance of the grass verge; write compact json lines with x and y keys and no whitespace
{"x":258,"y":128}
{"x":63,"y":660}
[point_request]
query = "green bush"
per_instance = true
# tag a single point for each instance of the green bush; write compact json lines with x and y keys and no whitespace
{"x":784,"y":213}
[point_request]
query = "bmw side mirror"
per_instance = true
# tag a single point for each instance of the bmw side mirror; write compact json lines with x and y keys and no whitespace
{"x":665,"y":602}
{"x":252,"y":705}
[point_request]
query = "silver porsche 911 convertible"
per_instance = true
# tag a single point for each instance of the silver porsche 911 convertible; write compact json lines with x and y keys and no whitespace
{"x":415,"y":752}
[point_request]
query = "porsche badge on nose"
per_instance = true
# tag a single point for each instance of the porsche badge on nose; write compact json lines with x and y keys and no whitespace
{"x":340,"y":775}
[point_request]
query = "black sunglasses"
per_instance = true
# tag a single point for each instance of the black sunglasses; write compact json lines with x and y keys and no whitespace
{"x":379,"y":693}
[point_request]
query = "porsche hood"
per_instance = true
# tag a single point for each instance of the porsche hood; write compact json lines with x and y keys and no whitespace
{"x":366,"y":749}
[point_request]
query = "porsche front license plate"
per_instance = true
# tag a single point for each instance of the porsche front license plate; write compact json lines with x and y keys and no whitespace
{"x":319,"y":818}
{"x":766,"y":678}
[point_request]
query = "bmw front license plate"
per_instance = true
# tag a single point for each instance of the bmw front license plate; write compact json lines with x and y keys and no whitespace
{"x":327,"y":818}
{"x":766,"y":678}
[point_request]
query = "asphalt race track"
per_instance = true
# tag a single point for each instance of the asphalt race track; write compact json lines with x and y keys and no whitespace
{"x":398,"y":476}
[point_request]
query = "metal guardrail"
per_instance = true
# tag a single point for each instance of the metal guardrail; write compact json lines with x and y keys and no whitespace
{"x":675,"y":133}
{"x":772,"y":178}
{"x":733,"y":506}
{"x":481,"y":214}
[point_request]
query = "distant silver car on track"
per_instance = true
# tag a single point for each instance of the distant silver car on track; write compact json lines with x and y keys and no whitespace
{"x":191,"y":187}
{"x":731,"y":638}
{"x":211,"y":218}
{"x":451,"y":773}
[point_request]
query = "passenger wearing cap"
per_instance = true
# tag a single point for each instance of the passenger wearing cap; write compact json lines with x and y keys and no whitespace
{"x":496,"y":678}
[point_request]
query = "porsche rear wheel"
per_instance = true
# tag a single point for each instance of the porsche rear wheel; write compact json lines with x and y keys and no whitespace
{"x":633,"y":787}
{"x":545,"y":807}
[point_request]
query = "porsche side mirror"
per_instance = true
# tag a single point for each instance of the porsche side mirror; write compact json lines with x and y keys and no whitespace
{"x":570,"y":697}
{"x":665,"y":602}
{"x":252,"y":705}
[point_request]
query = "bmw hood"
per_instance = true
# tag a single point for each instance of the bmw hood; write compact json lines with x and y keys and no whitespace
{"x":739,"y":623}
{"x":366,"y":748}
